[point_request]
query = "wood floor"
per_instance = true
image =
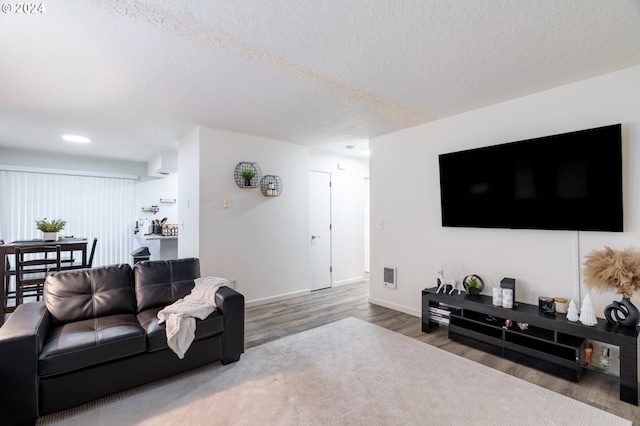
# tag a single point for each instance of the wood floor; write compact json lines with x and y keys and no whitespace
{"x":272,"y":321}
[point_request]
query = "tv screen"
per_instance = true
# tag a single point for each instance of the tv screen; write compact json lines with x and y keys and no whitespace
{"x":571,"y":181}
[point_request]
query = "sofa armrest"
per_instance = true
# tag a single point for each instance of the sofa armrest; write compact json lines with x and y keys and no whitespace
{"x":231,"y":304}
{"x":21,"y":339}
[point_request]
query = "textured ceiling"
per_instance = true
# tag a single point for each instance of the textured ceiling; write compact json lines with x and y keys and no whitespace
{"x":136,"y":76}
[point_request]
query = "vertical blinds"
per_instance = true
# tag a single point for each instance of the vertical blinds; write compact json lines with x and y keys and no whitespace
{"x":94,"y":207}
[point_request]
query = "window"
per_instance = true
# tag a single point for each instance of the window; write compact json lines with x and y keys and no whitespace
{"x":93,"y":206}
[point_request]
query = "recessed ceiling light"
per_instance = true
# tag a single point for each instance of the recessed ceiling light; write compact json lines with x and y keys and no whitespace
{"x":76,"y":138}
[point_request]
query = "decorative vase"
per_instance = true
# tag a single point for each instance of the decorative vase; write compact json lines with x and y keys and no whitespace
{"x":587,"y":312}
{"x":623,"y":312}
{"x":50,"y":236}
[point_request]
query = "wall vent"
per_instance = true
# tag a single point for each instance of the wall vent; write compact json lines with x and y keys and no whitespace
{"x":390,"y":277}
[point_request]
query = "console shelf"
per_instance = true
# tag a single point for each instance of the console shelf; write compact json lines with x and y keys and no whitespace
{"x":550,"y":343}
{"x":539,"y":345}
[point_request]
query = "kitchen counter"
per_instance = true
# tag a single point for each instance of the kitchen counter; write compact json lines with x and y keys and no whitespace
{"x":158,"y":237}
{"x":161,"y":247}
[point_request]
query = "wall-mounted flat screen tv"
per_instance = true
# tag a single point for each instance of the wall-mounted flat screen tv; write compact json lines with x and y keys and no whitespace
{"x":571,"y":181}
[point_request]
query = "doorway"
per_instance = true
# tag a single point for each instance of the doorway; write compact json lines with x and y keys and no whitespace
{"x":319,"y":230}
{"x":367,"y":227}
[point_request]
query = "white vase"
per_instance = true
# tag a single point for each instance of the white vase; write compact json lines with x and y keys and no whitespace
{"x":50,"y":236}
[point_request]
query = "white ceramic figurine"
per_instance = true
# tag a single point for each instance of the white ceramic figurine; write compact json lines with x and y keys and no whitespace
{"x":444,"y":282}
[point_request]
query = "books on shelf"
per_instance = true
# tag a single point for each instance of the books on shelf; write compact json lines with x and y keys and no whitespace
{"x":440,"y":313}
{"x":441,"y":320}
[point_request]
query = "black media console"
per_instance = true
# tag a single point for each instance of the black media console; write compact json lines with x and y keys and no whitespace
{"x":550,"y":343}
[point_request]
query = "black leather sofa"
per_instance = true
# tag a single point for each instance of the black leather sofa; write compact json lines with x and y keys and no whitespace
{"x":97,"y":333}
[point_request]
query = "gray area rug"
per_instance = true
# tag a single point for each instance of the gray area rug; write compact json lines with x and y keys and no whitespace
{"x":346,"y":373}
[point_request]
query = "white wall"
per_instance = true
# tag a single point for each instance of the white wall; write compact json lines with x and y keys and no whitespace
{"x":405,"y":195}
{"x":347,"y":206}
{"x":189,"y":195}
{"x":260,"y":241}
{"x":263,"y":242}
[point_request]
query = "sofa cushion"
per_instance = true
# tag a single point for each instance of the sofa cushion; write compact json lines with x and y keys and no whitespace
{"x":89,"y":342}
{"x":157,"y":335}
{"x":90,"y":293}
{"x":162,"y":282}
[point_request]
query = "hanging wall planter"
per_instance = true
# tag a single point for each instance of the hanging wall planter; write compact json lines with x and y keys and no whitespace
{"x":247,"y":174}
{"x":271,"y":186}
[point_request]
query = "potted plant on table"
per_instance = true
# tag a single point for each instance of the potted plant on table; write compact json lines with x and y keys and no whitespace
{"x":50,"y":228}
{"x":473,"y":284}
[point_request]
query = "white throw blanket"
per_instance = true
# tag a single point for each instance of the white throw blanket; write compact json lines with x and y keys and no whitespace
{"x":181,"y":315}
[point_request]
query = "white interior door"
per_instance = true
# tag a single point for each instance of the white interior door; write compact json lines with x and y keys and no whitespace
{"x":320,"y":230}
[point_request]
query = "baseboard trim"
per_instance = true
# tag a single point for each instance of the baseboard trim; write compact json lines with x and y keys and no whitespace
{"x":399,"y":308}
{"x":347,"y":282}
{"x":277,"y":298}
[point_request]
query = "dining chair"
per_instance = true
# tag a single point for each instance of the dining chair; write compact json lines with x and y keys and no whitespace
{"x":83,"y":263}
{"x":33,"y":265}
{"x":7,"y":279}
{"x":92,"y":253}
{"x":72,"y":262}
{"x":7,"y":270}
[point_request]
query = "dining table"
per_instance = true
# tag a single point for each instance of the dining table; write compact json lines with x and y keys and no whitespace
{"x":67,"y":245}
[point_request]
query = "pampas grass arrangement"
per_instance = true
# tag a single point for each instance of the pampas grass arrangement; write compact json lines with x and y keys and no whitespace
{"x":610,"y":269}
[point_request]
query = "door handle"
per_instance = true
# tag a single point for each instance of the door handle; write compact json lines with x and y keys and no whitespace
{"x":313,"y":237}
